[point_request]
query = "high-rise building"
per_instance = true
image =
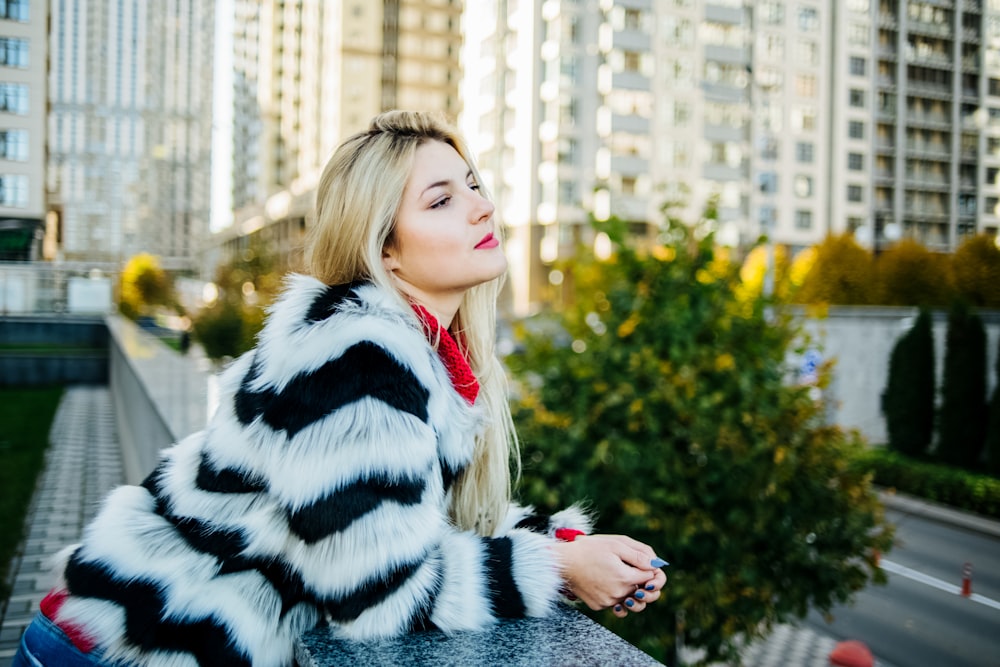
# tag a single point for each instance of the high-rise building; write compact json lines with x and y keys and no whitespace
{"x":23,"y":97}
{"x":797,"y":119}
{"x":308,"y":74}
{"x":130,"y":127}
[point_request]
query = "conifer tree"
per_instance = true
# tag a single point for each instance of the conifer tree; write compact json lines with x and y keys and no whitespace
{"x":908,"y":400}
{"x":962,"y":420}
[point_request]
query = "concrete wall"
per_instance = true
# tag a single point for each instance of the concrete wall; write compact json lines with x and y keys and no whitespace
{"x":860,"y":340}
{"x":159,"y":395}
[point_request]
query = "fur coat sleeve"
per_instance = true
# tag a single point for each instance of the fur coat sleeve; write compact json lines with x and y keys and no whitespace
{"x":318,"y":491}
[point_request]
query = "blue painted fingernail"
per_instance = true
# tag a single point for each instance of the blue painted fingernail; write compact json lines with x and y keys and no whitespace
{"x":650,"y":587}
{"x":658,"y":562}
{"x":639,"y":595}
{"x":618,"y":607}
{"x":629,"y":603}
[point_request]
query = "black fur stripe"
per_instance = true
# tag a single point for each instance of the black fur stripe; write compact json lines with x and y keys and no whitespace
{"x":335,"y":512}
{"x":363,"y":370}
{"x":504,"y":596}
{"x":370,"y":593}
{"x":227,"y":480}
{"x":449,"y":474}
{"x":422,"y":617}
{"x":538,"y":523}
{"x":227,"y":547}
{"x":145,"y":626}
{"x":330,"y":301}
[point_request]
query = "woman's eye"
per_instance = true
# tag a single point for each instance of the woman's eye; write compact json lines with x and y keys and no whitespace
{"x":474,"y":186}
{"x":440,"y":202}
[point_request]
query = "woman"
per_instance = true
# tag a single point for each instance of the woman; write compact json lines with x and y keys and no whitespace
{"x":358,"y":470}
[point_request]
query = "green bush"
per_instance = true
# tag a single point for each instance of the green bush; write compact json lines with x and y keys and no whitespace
{"x":957,"y":488}
{"x":842,"y":273}
{"x":976,"y":266}
{"x":911,"y":275}
{"x":962,"y":420}
{"x":908,"y":400}
{"x":660,"y":396}
{"x":226,"y":329}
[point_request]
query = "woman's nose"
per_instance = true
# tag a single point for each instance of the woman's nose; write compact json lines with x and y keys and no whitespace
{"x":484,"y":209}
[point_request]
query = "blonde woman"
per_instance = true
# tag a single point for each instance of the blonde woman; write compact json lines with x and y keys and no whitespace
{"x":358,"y":472}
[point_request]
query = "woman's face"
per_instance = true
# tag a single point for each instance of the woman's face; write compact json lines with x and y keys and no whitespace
{"x":444,"y":241}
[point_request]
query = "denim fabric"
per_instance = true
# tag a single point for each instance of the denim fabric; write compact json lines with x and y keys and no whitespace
{"x":45,"y":645}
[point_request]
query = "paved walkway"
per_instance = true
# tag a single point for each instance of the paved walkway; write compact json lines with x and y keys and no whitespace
{"x":84,"y":462}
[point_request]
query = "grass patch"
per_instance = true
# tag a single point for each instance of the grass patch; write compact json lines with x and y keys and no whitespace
{"x":25,"y":419}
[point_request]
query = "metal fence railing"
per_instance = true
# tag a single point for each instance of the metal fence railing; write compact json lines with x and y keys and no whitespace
{"x":56,"y":287}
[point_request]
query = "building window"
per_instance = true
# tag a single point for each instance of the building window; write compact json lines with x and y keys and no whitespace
{"x":804,"y":152}
{"x":767,"y":216}
{"x":805,"y":85}
{"x":772,"y":12}
{"x":14,"y":97}
{"x":856,"y":129}
{"x":14,"y":145}
{"x":855,"y":193}
{"x":857,"y":34}
{"x":14,"y":52}
{"x":808,"y":19}
{"x":803,"y":186}
{"x":803,"y":219}
{"x":855,"y":161}
{"x":14,"y":190}
{"x":768,"y":181}
{"x":804,"y":119}
{"x":857,"y":66}
{"x":628,"y":185}
{"x":856,"y":98}
{"x":15,"y":10}
{"x":807,"y":52}
{"x":633,"y":61}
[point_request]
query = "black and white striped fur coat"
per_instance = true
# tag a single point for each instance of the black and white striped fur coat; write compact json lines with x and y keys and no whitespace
{"x":318,"y":491}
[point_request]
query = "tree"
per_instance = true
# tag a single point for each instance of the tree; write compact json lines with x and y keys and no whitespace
{"x":976,"y":265}
{"x":144,"y":285}
{"x":911,"y":275}
{"x":962,"y":422}
{"x":993,"y":426}
{"x":841,"y":274}
{"x":246,"y":285}
{"x":660,"y":395}
{"x":908,"y":400}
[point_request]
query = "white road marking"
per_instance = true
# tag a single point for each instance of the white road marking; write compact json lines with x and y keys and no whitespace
{"x":909,"y":573}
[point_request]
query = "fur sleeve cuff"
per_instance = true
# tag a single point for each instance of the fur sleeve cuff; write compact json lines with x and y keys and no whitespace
{"x":574,"y":516}
{"x":535,"y":571}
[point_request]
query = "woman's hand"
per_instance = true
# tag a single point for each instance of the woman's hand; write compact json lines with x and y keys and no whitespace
{"x":610,"y":571}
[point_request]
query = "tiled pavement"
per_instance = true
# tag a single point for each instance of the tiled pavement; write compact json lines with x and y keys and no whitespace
{"x":84,"y":462}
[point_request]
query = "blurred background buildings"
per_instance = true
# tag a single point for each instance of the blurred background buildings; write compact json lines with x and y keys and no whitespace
{"x":800,"y":117}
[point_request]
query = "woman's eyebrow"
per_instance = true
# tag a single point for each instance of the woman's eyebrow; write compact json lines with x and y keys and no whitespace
{"x":441,"y":183}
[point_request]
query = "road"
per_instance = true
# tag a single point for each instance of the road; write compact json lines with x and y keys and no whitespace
{"x":919,"y":619}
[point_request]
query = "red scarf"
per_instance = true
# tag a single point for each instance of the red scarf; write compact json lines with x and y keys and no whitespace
{"x":462,"y":377}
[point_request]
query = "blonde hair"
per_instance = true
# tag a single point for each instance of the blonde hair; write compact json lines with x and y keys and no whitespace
{"x":358,"y":197}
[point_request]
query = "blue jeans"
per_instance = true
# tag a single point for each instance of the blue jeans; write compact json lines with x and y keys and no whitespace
{"x":43,"y":644}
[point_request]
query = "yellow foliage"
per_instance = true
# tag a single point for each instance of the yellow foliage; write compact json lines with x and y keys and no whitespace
{"x":664,"y":253}
{"x":626,"y":328}
{"x":724,"y":362}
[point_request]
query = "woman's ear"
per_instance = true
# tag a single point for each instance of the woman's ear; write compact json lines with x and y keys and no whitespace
{"x":390,"y":258}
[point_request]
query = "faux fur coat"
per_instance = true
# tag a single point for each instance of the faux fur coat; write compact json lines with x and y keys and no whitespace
{"x":318,"y":492}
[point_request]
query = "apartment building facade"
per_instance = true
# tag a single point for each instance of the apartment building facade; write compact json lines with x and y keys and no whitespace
{"x":307,"y":75}
{"x":797,"y":118}
{"x":130,"y":128}
{"x":23,"y":98}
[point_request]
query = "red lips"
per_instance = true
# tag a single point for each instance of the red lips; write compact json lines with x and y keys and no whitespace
{"x":489,"y":241}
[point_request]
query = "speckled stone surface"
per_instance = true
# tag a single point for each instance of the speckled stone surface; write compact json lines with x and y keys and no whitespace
{"x":567,"y":638}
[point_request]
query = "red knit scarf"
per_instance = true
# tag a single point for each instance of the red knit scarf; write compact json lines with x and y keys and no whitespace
{"x":462,"y":377}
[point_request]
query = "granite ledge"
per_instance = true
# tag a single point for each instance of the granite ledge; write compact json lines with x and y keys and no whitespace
{"x":566,"y":638}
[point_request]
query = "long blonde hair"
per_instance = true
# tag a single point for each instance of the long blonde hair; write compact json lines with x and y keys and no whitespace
{"x":357,"y":200}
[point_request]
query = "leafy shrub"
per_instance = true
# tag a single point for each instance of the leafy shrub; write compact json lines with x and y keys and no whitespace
{"x":911,"y":275}
{"x":908,"y":401}
{"x":660,"y":396}
{"x":841,"y":274}
{"x":976,"y":266}
{"x":962,"y":421}
{"x":957,"y":488}
{"x":144,"y":284}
